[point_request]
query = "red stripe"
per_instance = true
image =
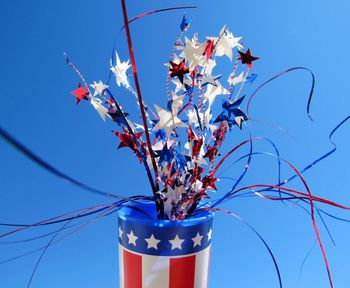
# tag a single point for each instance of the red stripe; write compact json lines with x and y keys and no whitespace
{"x":132,"y":270}
{"x":182,"y":272}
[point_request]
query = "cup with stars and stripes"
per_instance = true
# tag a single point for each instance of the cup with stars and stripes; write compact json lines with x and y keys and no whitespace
{"x":163,"y":253}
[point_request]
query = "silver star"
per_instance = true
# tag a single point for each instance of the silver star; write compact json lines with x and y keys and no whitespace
{"x":119,"y":71}
{"x":167,"y":121}
{"x":132,"y":238}
{"x":226,"y":43}
{"x":197,"y":240}
{"x":99,"y":87}
{"x":152,"y":242}
{"x":101,"y":110}
{"x":176,"y":243}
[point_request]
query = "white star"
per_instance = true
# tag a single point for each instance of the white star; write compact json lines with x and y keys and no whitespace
{"x":193,"y":54}
{"x":176,"y":242}
{"x":167,"y":121}
{"x":152,"y":242}
{"x":197,"y":240}
{"x":102,"y":111}
{"x":209,"y":234}
{"x":99,"y":87}
{"x":132,"y":238}
{"x":177,"y":103}
{"x":119,"y":71}
{"x":120,"y":232}
{"x":213,"y":91}
{"x":232,"y":80}
{"x":225,"y":44}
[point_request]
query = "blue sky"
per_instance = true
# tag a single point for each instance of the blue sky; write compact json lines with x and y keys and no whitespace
{"x":37,"y":108}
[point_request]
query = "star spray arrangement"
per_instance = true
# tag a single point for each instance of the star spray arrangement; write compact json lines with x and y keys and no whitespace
{"x":180,"y":144}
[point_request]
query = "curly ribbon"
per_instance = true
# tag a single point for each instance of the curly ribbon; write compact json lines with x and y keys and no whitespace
{"x":159,"y":203}
{"x":281,"y":74}
{"x":157,"y":11}
{"x":257,"y":234}
{"x":53,"y":170}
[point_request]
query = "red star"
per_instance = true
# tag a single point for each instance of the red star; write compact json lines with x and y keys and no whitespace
{"x":247,"y":58}
{"x":211,"y":153}
{"x":81,"y":93}
{"x":208,"y":181}
{"x":197,"y":145}
{"x":196,"y":174}
{"x":127,"y":140}
{"x":190,"y":134}
{"x":179,"y":70}
{"x":209,"y":49}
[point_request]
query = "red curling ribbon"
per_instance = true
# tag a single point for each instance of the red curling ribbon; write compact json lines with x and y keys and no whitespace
{"x":157,"y":11}
{"x":142,"y":109}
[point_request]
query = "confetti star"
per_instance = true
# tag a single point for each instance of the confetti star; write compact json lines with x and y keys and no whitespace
{"x":233,"y":80}
{"x":185,"y":23}
{"x":132,"y":238}
{"x":101,"y":110}
{"x":177,"y":103}
{"x":209,"y":49}
{"x":193,"y":54}
{"x":225,"y":43}
{"x":81,"y":93}
{"x":197,"y":240}
{"x":176,"y":243}
{"x":99,"y":88}
{"x":178,"y":70}
{"x":152,"y":242}
{"x":119,"y":71}
{"x":167,"y":121}
{"x":247,"y":58}
{"x":209,"y":234}
{"x":214,"y":91}
{"x":120,"y":232}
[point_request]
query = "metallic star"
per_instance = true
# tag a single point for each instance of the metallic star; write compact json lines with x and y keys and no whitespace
{"x":119,"y":71}
{"x":99,"y":87}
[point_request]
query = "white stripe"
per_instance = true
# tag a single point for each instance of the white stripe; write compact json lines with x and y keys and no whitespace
{"x":155,"y":271}
{"x":121,"y":266}
{"x":202,"y":268}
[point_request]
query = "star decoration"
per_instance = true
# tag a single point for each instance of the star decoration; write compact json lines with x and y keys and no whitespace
{"x":178,"y":70}
{"x":120,"y":232}
{"x":209,"y":234}
{"x":247,"y":58}
{"x":209,"y":49}
{"x":193,"y":54}
{"x":176,"y":243}
{"x":214,"y":91}
{"x":132,"y":238}
{"x":101,"y":110}
{"x":197,"y":240}
{"x":232,"y":80}
{"x":152,"y":242}
{"x":119,"y":71}
{"x":177,"y":103}
{"x":225,"y":43}
{"x":99,"y":88}
{"x":167,"y":121}
{"x":185,"y":22}
{"x":81,"y":93}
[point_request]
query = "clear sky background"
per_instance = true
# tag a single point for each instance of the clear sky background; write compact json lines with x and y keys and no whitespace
{"x":37,"y":108}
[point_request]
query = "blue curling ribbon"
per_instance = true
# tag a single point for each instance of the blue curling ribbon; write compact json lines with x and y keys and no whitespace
{"x":48,"y":167}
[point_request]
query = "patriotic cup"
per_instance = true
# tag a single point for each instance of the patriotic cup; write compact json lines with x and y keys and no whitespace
{"x":161,"y":253}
